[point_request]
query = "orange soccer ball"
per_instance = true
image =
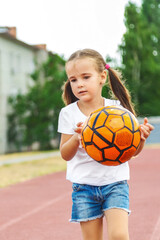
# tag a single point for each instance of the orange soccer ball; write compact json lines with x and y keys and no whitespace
{"x":111,"y":135}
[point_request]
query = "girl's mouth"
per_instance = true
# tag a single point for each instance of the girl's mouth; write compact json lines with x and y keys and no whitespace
{"x":82,"y":92}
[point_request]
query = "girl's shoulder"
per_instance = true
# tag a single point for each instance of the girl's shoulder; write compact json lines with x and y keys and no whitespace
{"x":109,"y":102}
{"x":66,"y":121}
{"x":70,"y":107}
{"x":72,"y":112}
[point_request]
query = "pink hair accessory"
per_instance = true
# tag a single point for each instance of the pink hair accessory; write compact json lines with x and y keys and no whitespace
{"x":107,"y":66}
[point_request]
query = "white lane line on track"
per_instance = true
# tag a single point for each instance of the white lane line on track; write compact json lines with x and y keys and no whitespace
{"x":156,"y":231}
{"x":32,"y":212}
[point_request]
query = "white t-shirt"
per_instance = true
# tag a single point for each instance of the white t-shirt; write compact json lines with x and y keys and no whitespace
{"x":82,"y":168}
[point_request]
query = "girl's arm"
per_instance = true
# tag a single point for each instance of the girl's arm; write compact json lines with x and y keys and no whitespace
{"x":69,"y":143}
{"x":145,"y":129}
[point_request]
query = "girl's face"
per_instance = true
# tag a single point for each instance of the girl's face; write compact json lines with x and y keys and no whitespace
{"x":86,"y":82}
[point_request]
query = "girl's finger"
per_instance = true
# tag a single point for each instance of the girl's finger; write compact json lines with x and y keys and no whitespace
{"x":79,"y":124}
{"x":145,"y":121}
{"x":78,"y":130}
{"x":145,"y":132}
{"x":150,"y":126}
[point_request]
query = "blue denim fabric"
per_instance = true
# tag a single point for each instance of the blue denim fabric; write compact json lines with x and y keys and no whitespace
{"x":90,"y":202}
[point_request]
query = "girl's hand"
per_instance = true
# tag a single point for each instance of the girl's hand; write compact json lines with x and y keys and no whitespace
{"x":78,"y":130}
{"x":145,"y":129}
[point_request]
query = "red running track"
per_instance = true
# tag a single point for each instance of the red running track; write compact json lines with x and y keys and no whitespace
{"x":39,"y":209}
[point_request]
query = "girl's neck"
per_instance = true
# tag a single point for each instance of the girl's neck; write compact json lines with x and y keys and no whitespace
{"x":88,"y":107}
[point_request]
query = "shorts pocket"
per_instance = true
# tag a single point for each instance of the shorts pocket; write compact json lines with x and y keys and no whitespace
{"x":122,"y":182}
{"x":76,"y":187}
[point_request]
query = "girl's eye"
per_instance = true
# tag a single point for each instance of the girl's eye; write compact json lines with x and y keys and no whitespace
{"x":86,"y":77}
{"x":73,"y":80}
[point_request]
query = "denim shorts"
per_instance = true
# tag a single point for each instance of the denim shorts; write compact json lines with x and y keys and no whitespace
{"x":90,"y":202}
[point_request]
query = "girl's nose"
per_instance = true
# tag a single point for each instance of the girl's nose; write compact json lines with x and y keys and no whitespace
{"x":80,"y":83}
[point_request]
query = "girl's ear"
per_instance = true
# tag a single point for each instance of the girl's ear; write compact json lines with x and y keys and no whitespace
{"x":103,"y":77}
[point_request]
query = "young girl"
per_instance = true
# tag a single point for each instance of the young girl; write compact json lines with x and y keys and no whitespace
{"x":98,"y":190}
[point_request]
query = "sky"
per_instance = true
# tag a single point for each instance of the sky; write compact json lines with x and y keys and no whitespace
{"x":68,"y":25}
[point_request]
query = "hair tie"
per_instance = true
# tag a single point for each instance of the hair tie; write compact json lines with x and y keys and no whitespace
{"x":107,"y":66}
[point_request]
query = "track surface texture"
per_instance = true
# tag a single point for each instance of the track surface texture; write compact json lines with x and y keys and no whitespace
{"x":39,"y":209}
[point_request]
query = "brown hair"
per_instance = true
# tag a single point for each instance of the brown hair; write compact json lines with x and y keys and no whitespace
{"x":118,"y":88}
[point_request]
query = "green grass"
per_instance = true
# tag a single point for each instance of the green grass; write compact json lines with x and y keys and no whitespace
{"x":19,"y":172}
{"x":21,"y":154}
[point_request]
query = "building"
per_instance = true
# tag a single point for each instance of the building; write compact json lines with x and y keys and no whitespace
{"x":17,"y":62}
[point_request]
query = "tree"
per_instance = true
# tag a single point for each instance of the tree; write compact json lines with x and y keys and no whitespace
{"x":140,"y":55}
{"x":34,"y":115}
